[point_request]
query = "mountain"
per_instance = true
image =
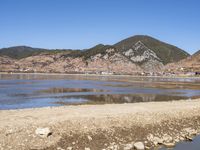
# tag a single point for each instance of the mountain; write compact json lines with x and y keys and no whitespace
{"x":189,"y":64}
{"x":130,"y":56}
{"x":19,"y":52}
{"x":197,"y":53}
{"x":98,"y":49}
{"x":139,"y":55}
{"x":166,"y":52}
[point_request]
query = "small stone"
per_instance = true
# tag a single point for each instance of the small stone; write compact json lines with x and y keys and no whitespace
{"x":139,"y":146}
{"x":115,"y":147}
{"x":188,"y":138}
{"x":87,"y":148}
{"x":10,"y":131}
{"x":169,"y":145}
{"x":69,"y":148}
{"x":167,"y":139}
{"x":150,"y":137}
{"x":59,"y":148}
{"x":147,"y":148}
{"x":43,"y":132}
{"x":89,"y":138}
{"x":181,"y":138}
{"x":157,"y":140}
{"x":176,"y":140}
{"x":128,"y":147}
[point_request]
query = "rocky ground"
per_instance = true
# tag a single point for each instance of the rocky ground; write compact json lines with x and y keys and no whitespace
{"x":97,"y":127}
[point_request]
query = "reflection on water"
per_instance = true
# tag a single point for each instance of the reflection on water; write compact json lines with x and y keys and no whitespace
{"x":108,"y":99}
{"x":68,"y":90}
{"x":33,"y":90}
{"x":161,"y":85}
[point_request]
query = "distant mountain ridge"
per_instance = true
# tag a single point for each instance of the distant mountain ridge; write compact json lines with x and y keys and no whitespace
{"x":19,"y":52}
{"x":135,"y":54}
{"x":197,"y":53}
{"x":166,"y":52}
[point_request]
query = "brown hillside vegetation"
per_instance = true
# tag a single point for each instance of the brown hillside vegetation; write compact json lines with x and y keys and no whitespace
{"x":190,"y":64}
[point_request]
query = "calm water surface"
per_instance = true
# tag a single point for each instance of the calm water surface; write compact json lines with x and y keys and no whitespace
{"x":34,"y":90}
{"x":194,"y":145}
{"x":19,"y":91}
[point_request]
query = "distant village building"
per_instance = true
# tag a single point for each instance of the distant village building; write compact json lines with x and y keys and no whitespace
{"x":106,"y":73}
{"x":190,"y":73}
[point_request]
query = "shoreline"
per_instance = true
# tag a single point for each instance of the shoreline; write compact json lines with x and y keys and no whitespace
{"x":100,"y":126}
{"x":103,"y":75}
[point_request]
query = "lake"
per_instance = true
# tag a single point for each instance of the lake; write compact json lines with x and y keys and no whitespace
{"x":18,"y":91}
{"x":194,"y":145}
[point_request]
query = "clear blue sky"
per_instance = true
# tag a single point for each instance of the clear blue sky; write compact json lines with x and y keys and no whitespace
{"x":80,"y":24}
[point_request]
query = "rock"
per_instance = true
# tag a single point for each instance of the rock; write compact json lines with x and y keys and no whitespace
{"x":139,"y":146}
{"x":69,"y":148}
{"x":150,"y":137}
{"x":113,"y":146}
{"x":43,"y":132}
{"x":59,"y":148}
{"x":190,"y":131}
{"x":128,"y":146}
{"x":167,"y":139}
{"x":10,"y":131}
{"x":182,"y":138}
{"x":176,"y":140}
{"x":169,"y":145}
{"x":157,"y":140}
{"x":87,"y":148}
{"x":189,"y":138}
{"x":89,"y":138}
{"x":147,"y":148}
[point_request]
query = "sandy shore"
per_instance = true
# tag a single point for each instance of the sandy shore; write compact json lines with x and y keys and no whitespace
{"x":98,"y":126}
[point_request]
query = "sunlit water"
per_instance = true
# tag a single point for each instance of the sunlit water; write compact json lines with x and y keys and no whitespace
{"x":33,"y":90}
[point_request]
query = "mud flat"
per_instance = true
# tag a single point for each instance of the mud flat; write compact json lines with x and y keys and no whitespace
{"x":95,"y":127}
